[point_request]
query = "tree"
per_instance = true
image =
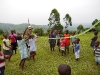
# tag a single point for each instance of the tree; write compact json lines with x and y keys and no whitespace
{"x":68,"y":21}
{"x":54,"y":20}
{"x":1,"y":32}
{"x":80,"y":28}
{"x":97,"y":27}
{"x":96,"y":20}
{"x":39,"y":31}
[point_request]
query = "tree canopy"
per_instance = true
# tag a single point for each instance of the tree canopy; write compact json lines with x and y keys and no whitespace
{"x":80,"y":28}
{"x":68,"y":20}
{"x":54,"y":20}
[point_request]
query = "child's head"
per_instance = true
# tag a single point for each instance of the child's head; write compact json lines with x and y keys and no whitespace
{"x":66,"y":31}
{"x":5,"y":36}
{"x":73,"y":33}
{"x":77,"y":40}
{"x":96,"y":44}
{"x":96,"y":33}
{"x":64,"y":69}
{"x":19,"y":37}
{"x":12,"y":31}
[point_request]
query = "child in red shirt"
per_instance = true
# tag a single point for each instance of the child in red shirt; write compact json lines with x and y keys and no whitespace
{"x":62,"y":45}
{"x":2,"y":62}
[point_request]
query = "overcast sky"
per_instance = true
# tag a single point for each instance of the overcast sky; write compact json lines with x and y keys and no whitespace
{"x":38,"y":11}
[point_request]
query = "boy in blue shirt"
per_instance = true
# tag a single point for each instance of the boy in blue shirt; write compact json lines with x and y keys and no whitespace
{"x":77,"y":49}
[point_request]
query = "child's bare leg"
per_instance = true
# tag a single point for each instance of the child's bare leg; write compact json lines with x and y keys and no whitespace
{"x":62,"y":52}
{"x":53,"y":48}
{"x":59,"y":49}
{"x":34,"y":58}
{"x":23,"y":62}
{"x":20,"y":63}
{"x":9,"y":58}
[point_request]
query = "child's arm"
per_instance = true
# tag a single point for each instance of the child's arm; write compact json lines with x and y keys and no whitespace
{"x":24,"y":32}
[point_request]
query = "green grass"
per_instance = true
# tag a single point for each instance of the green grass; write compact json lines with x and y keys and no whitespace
{"x":47,"y":62}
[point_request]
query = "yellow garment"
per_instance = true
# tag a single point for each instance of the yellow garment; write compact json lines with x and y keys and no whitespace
{"x":7,"y":41}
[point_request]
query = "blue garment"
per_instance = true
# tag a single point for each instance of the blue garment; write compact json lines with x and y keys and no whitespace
{"x":77,"y":47}
{"x":23,"y":48}
{"x":32,"y":45}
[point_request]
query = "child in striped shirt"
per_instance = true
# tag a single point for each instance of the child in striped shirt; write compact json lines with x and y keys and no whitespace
{"x":97,"y":52}
{"x":2,"y":62}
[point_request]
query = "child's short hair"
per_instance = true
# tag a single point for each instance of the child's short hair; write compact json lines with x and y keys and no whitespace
{"x":19,"y":37}
{"x":64,"y":69}
{"x":77,"y":39}
{"x":96,"y":32}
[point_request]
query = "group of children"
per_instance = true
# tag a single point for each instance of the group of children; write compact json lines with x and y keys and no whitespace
{"x":95,"y":44}
{"x":22,"y":47}
{"x":63,"y":43}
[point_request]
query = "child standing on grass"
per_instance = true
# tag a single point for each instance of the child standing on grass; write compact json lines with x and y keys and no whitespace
{"x":52,"y":40}
{"x":2,"y":62}
{"x":77,"y":49}
{"x":67,"y":39}
{"x":97,"y":52}
{"x":7,"y":47}
{"x":62,"y":45}
{"x":23,"y":50}
{"x":94,"y":38}
{"x":32,"y":47}
{"x":58,"y":40}
{"x":73,"y":40}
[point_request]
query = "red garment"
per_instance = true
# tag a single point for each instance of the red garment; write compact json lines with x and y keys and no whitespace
{"x":62,"y":43}
{"x":67,"y":39}
{"x":2,"y":62}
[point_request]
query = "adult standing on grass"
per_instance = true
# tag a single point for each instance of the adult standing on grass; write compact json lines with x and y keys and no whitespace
{"x":12,"y":37}
{"x":67,"y":39}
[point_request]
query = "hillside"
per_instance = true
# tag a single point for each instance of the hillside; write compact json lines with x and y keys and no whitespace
{"x":20,"y":27}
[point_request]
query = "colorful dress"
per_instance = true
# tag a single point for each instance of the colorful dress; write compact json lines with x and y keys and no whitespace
{"x":23,"y":48}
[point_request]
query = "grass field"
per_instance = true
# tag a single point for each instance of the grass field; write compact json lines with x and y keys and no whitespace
{"x":47,"y":62}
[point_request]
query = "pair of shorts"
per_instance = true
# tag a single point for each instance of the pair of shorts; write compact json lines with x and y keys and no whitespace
{"x":7,"y":52}
{"x":2,"y":70}
{"x":62,"y":48}
{"x":97,"y":59}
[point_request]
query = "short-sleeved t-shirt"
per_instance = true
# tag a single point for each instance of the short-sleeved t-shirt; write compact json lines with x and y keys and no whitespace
{"x":7,"y":41}
{"x":12,"y":38}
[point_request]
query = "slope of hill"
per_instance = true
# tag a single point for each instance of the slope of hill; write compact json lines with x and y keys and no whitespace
{"x":20,"y":27}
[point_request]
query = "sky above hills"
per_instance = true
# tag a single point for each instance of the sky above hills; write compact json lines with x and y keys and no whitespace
{"x":38,"y":11}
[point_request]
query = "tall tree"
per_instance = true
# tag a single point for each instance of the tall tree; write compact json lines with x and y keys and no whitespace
{"x":97,"y":27}
{"x":68,"y":20}
{"x":80,"y":28}
{"x":54,"y":20}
